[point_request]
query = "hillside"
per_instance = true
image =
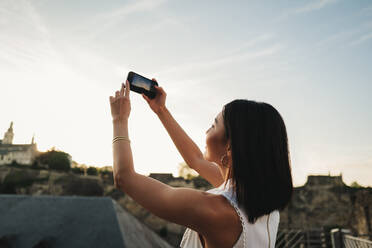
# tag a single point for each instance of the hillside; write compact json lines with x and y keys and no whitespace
{"x":322,"y":203}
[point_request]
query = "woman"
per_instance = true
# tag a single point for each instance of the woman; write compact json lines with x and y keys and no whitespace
{"x":246,"y":160}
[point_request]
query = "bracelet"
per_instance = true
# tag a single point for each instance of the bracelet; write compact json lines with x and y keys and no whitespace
{"x":120,"y":138}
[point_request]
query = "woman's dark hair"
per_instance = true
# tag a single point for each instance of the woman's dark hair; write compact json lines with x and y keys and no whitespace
{"x":261,"y":167}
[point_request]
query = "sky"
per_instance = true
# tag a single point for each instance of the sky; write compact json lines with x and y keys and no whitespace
{"x":61,"y":60}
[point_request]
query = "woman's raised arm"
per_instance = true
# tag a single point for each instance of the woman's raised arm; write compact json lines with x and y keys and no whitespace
{"x":185,"y":145}
{"x":189,"y":150}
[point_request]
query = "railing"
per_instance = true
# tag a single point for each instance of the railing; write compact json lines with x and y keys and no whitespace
{"x":289,"y":238}
{"x":342,"y":238}
{"x":298,"y":238}
{"x":350,"y":241}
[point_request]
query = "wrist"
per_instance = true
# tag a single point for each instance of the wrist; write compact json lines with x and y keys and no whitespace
{"x":119,"y":120}
{"x":120,"y":128}
{"x":162,"y":110}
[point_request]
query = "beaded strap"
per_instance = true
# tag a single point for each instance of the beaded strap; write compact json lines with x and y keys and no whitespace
{"x":221,"y":191}
{"x":240,"y":216}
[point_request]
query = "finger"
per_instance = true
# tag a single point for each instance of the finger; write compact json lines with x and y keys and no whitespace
{"x":159,"y":88}
{"x":122,"y":90}
{"x":111,"y":99}
{"x":117,"y":93}
{"x":127,"y":88}
{"x":153,"y":79}
{"x":145,"y":97}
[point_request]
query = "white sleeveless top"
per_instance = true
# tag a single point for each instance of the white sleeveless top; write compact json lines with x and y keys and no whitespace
{"x":253,"y":235}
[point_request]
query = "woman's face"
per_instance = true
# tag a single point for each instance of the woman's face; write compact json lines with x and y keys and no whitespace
{"x":215,"y":140}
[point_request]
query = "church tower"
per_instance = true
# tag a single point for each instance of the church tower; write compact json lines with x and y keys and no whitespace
{"x":8,"y":136}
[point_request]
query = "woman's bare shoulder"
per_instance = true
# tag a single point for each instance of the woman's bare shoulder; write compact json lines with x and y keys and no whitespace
{"x":226,"y":219}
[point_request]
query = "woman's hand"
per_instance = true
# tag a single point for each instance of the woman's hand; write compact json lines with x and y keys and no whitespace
{"x":158,"y":103}
{"x":120,"y":104}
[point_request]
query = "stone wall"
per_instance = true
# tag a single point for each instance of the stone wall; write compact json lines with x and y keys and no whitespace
{"x":326,"y":201}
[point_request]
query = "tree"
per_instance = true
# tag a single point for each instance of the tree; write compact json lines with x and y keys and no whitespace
{"x":186,"y":172}
{"x":92,"y":171}
{"x":56,"y":160}
{"x":35,"y":165}
{"x":78,"y":170}
{"x":15,"y":179}
{"x":104,"y":171}
{"x":14,"y":163}
{"x":355,"y":185}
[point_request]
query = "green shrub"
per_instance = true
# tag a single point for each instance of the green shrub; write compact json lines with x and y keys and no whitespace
{"x":15,"y":164}
{"x":56,"y":160}
{"x":92,"y":171}
{"x":16,"y":179}
{"x":73,"y":185}
{"x":78,"y":170}
{"x":104,"y":172}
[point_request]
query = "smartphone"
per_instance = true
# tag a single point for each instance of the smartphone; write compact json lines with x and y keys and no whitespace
{"x":141,"y":84}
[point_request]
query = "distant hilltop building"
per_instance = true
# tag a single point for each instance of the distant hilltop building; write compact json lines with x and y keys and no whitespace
{"x":324,"y":180}
{"x":21,"y":153}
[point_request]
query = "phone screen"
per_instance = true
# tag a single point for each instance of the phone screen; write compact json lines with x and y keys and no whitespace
{"x":140,"y":84}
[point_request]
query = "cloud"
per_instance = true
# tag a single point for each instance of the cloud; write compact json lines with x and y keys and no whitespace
{"x":234,"y":56}
{"x":134,"y":6}
{"x":313,"y":5}
{"x":349,"y":37}
{"x":361,"y":39}
{"x":255,"y":41}
{"x":26,"y":41}
{"x":309,"y":7}
{"x":244,"y":56}
{"x":104,"y":21}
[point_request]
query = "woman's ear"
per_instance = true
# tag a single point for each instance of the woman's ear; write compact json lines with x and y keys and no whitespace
{"x":228,"y":147}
